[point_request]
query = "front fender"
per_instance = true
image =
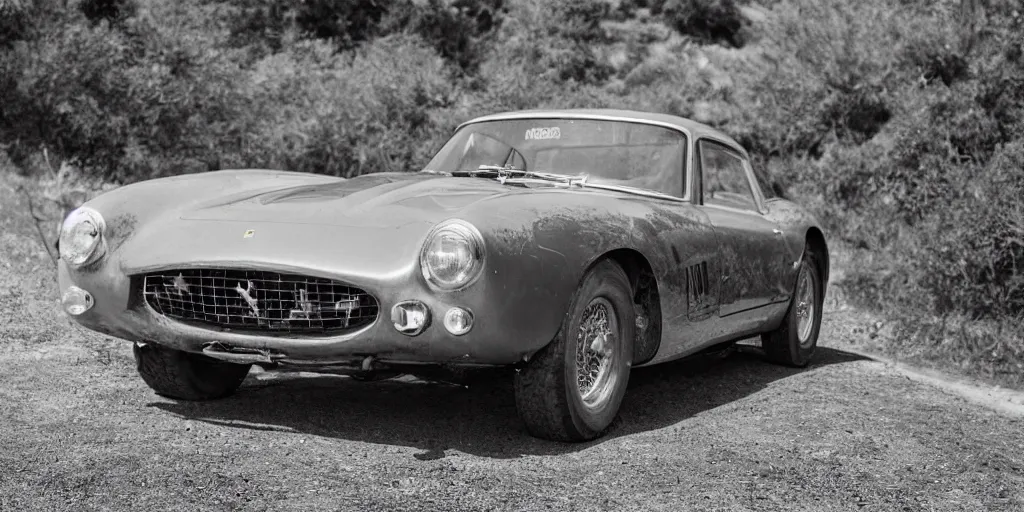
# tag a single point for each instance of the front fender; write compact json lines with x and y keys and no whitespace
{"x":540,"y":245}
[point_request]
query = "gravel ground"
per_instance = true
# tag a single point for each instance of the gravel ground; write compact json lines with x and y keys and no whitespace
{"x":80,"y":431}
{"x":729,"y":433}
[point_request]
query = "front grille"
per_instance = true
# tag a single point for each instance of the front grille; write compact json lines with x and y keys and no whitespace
{"x":251,"y":300}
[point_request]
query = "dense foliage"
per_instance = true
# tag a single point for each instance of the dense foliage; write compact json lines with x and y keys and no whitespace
{"x":901,"y":123}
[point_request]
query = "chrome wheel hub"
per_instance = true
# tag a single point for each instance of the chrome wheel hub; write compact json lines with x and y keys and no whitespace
{"x":805,"y":307}
{"x":596,"y":342}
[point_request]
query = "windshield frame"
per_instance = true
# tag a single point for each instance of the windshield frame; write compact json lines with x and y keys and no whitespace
{"x":688,"y":161}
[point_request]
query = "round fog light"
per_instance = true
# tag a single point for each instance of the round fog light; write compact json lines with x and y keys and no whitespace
{"x":458,"y":321}
{"x":76,"y":301}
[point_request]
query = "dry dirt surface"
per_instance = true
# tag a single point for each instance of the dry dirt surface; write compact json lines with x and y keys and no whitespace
{"x":80,"y":431}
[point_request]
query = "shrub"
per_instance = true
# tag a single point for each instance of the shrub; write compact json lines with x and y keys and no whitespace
{"x":122,"y":104}
{"x":317,"y":111}
{"x":111,"y":11}
{"x":537,"y":41}
{"x":260,"y":25}
{"x":346,"y":23}
{"x":15,"y":19}
{"x":457,"y":30}
{"x":22,"y":20}
{"x":64,"y":88}
{"x":973,"y":256}
{"x":855,"y":115}
{"x":581,"y":19}
{"x":712,"y":21}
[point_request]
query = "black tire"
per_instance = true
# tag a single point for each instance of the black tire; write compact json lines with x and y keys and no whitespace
{"x":548,"y":395}
{"x":187,"y":376}
{"x":785,"y":345}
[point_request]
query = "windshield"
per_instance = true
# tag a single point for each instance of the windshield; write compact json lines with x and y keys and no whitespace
{"x":610,"y":152}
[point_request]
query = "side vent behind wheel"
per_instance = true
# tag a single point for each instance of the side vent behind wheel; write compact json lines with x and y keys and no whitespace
{"x":698,"y":291}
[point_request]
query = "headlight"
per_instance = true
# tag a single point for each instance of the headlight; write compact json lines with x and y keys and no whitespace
{"x":452,"y":255}
{"x":81,"y":237}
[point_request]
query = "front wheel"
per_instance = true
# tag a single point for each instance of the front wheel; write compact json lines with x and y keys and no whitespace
{"x":187,"y":376}
{"x":572,"y":389}
{"x":794,"y":342}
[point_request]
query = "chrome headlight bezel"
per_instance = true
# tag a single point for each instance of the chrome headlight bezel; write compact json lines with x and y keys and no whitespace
{"x":471,"y":271}
{"x":94,"y":249}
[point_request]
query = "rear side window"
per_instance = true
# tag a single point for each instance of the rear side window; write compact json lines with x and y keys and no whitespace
{"x":724,"y":178}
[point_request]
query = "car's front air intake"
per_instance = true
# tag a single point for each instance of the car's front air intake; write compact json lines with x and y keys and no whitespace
{"x":259,"y":301}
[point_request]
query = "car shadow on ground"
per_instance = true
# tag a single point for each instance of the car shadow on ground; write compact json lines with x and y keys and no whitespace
{"x":481,"y":419}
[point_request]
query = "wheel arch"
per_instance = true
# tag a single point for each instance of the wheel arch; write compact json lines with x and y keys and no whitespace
{"x":815,"y":243}
{"x":646,"y":300}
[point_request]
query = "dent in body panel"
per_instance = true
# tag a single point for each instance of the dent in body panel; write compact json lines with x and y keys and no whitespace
{"x":120,"y":230}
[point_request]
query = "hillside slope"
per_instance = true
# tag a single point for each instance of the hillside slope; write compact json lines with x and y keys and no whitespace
{"x":900,"y":123}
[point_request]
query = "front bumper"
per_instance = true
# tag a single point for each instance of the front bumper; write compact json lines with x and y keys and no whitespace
{"x":500,"y":335}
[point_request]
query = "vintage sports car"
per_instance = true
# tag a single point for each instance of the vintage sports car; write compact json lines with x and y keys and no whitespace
{"x":572,"y":245}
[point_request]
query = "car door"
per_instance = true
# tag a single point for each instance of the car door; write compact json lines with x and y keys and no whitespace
{"x":689,"y":286}
{"x":751,"y":247}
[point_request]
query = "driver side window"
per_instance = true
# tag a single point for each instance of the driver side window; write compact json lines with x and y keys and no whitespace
{"x":724,"y":178}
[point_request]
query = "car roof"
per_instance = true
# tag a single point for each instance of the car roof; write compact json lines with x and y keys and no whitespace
{"x":693,"y":128}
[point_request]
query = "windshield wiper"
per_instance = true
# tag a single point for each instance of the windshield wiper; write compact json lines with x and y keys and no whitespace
{"x":515,"y":173}
{"x":490,"y":171}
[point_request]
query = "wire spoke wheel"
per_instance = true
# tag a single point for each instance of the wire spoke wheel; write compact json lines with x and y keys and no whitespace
{"x":805,"y":308}
{"x":793,"y":343}
{"x":595,"y":352}
{"x":572,"y":389}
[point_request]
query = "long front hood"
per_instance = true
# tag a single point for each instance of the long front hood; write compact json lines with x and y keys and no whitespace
{"x":380,"y":201}
{"x":368,"y":228}
{"x":358,"y":253}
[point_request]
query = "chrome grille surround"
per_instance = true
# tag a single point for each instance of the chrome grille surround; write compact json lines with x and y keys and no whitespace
{"x":259,"y":301}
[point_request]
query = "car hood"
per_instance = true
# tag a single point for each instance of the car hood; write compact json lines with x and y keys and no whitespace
{"x":372,"y":200}
{"x":367,"y":227}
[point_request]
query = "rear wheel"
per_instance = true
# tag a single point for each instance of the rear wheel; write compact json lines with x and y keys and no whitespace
{"x":794,"y":342}
{"x":187,"y":376}
{"x":572,"y":389}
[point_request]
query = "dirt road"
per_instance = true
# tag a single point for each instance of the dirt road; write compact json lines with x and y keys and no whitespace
{"x":80,"y":431}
